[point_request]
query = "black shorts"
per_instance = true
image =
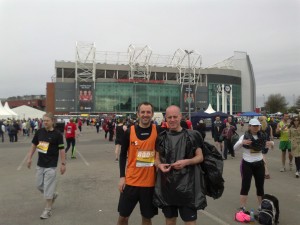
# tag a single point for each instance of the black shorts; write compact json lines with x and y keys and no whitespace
{"x":217,"y":138}
{"x":186,"y":213}
{"x":118,"y":142}
{"x":131,"y":196}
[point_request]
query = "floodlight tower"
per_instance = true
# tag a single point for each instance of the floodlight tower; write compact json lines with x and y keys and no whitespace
{"x":85,"y":66}
{"x":139,"y":58}
{"x":189,"y":75}
{"x":188,"y":64}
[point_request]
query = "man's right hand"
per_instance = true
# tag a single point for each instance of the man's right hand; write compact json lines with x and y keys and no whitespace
{"x":164,"y":167}
{"x":121,"y":184}
{"x":29,"y":163}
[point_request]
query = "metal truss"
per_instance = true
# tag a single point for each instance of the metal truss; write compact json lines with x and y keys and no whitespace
{"x":188,"y":64}
{"x":108,"y":57}
{"x":85,"y":66}
{"x":225,"y":64}
{"x":139,"y":58}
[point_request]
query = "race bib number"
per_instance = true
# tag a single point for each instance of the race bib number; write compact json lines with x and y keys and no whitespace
{"x":145,"y":158}
{"x":253,"y":152}
{"x":43,"y":147}
{"x":69,"y":130}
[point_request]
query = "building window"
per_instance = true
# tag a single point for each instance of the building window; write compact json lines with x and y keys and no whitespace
{"x":124,"y":97}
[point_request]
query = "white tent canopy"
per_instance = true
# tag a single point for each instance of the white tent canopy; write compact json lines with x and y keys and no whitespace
{"x":8,"y":109}
{"x":209,"y":109}
{"x":4,"y":113}
{"x":26,"y":112}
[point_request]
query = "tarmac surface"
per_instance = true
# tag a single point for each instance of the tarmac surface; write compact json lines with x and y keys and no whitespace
{"x":88,"y":191}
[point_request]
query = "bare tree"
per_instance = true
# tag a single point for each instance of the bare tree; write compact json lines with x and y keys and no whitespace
{"x":298,"y":103}
{"x":276,"y":103}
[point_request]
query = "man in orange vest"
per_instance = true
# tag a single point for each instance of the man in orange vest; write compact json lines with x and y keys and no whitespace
{"x":137,"y":184}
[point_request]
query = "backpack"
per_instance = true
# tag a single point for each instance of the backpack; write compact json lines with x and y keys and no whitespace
{"x":212,"y":166}
{"x":269,"y":213}
{"x":234,"y":138}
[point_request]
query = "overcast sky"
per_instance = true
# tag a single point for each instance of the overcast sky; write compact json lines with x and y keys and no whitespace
{"x":35,"y":33}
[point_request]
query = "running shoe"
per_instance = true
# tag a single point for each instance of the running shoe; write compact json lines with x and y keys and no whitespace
{"x":297,"y":174}
{"x":46,"y":214}
{"x":243,"y":209}
{"x":282,"y":169}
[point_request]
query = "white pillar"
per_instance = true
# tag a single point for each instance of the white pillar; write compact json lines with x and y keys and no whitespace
{"x":218,"y":102}
{"x":225,"y":102}
{"x":230,"y":99}
{"x":223,"y":96}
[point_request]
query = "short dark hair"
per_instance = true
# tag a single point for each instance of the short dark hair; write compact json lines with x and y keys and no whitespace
{"x":145,"y":103}
{"x":50,"y":115}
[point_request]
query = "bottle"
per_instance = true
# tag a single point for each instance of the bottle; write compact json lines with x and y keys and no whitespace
{"x":252,"y":215}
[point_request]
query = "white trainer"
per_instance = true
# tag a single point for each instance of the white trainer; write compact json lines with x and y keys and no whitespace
{"x":46,"y":214}
{"x":282,"y":169}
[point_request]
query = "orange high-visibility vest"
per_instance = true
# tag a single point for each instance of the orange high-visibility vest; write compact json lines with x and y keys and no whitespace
{"x":140,"y":170}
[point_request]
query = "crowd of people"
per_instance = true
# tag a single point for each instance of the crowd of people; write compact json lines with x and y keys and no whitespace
{"x":157,"y":162}
{"x":13,"y":128}
{"x":171,"y":158}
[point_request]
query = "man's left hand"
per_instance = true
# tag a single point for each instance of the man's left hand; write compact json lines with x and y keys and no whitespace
{"x":62,"y":169}
{"x":178,"y":165}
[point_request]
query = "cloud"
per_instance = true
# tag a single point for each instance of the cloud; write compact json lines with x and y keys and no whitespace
{"x":36,"y":33}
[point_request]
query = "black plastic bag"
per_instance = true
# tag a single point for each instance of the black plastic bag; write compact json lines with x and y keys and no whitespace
{"x":213,"y":170}
{"x":183,"y":187}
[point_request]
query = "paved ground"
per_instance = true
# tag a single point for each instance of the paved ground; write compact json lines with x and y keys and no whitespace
{"x":88,"y":193}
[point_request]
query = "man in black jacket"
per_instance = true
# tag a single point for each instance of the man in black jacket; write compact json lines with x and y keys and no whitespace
{"x":176,"y":160}
{"x":2,"y":130}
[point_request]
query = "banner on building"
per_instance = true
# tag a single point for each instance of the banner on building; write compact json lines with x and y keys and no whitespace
{"x":85,"y":97}
{"x":188,"y":97}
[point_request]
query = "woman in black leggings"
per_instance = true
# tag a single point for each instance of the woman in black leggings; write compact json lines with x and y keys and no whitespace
{"x":252,"y":143}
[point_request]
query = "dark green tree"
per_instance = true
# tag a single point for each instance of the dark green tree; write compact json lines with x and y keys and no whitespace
{"x":297,"y":104}
{"x":276,"y":103}
{"x":292,"y":109}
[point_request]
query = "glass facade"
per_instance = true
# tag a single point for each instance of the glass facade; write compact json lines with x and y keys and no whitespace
{"x":236,"y":97}
{"x":64,"y":97}
{"x":124,"y":97}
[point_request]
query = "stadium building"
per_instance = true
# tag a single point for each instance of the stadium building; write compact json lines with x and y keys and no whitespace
{"x":115,"y":82}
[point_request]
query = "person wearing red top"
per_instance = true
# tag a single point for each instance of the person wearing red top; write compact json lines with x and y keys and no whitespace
{"x":189,"y":124}
{"x":85,"y":96}
{"x":70,"y":134}
{"x":137,"y":185}
{"x":79,"y":124}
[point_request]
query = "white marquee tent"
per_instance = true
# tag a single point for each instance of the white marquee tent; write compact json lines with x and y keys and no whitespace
{"x":8,"y":109}
{"x":26,"y":112}
{"x":4,"y":114}
{"x":209,"y":109}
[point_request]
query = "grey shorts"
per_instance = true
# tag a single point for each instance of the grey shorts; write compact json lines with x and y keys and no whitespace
{"x":46,"y":181}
